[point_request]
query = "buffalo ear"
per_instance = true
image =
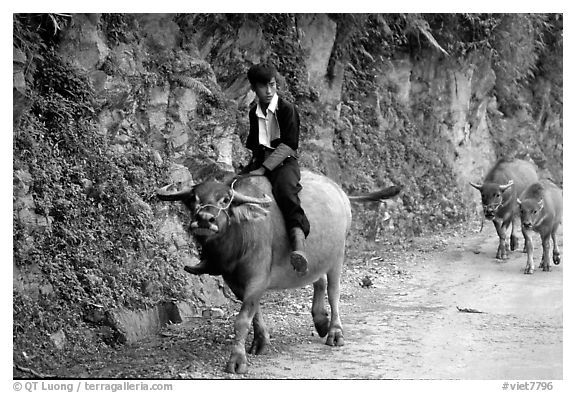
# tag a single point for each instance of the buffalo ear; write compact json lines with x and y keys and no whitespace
{"x":249,"y":212}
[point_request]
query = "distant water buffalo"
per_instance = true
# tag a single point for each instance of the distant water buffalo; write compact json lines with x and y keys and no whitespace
{"x":502,"y":186}
{"x":243,"y":237}
{"x":541,"y":211}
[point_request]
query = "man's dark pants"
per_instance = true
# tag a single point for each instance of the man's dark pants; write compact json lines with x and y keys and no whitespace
{"x":285,"y":180}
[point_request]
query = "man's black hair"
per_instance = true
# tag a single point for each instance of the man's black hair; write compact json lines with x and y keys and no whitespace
{"x":261,"y":73}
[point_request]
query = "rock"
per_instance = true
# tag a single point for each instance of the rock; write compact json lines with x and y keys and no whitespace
{"x":179,"y":174}
{"x":83,"y":44}
{"x":94,"y":314}
{"x":318,"y":38}
{"x":29,"y":280}
{"x":58,"y":339}
{"x":224,"y":148}
{"x":22,"y":182}
{"x":213,"y":313}
{"x":366,"y":282}
{"x":161,"y":33}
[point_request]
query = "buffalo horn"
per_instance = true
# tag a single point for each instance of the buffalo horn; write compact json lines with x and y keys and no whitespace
{"x":239,"y":198}
{"x":171,"y":193}
{"x":476,"y":186}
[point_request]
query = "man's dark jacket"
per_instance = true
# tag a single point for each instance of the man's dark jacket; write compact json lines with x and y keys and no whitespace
{"x":289,"y":124}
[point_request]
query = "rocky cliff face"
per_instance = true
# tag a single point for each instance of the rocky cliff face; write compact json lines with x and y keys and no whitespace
{"x":159,"y":82}
{"x":167,"y":107}
{"x":183,"y":89}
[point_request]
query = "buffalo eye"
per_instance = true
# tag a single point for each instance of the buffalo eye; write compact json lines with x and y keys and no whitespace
{"x":191,"y":201}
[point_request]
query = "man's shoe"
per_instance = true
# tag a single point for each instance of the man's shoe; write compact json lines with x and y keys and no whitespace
{"x":297,"y":256}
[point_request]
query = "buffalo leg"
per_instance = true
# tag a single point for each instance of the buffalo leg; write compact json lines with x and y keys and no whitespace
{"x":555,"y":251}
{"x":525,"y":235}
{"x":513,"y":242}
{"x":501,"y":253}
{"x":261,"y":340}
{"x":513,"y":237}
{"x":335,"y":334}
{"x":319,"y":313}
{"x":505,"y":226}
{"x":237,"y":362}
{"x":545,"y":264}
{"x":529,"y":251}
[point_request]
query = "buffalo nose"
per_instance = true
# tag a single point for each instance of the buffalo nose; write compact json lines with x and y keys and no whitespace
{"x":205,"y":217}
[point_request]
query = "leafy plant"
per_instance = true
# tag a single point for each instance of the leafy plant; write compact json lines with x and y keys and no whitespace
{"x":119,"y":28}
{"x":100,"y":245}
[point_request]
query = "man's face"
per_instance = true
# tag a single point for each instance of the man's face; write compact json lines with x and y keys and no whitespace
{"x":265,"y":92}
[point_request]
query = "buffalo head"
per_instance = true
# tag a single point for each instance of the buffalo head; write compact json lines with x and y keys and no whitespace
{"x":492,"y":197}
{"x":530,"y":212}
{"x":214,"y":205}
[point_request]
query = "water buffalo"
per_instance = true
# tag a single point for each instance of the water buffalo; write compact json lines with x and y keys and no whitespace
{"x":242,"y":236}
{"x":541,"y":211}
{"x":501,"y":187}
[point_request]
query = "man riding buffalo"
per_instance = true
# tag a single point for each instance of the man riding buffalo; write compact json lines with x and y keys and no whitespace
{"x":273,"y":139}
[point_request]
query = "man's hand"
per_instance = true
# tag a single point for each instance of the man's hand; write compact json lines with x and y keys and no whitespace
{"x":258,"y":172}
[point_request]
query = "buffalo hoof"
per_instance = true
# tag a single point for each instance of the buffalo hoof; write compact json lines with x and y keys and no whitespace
{"x":528,"y":270}
{"x":546,"y":268}
{"x":335,"y":339}
{"x":237,"y":364}
{"x":259,"y":346}
{"x":556,"y":258}
{"x":502,"y":254}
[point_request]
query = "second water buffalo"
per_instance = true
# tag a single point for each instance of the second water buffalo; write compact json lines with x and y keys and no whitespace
{"x":541,"y":211}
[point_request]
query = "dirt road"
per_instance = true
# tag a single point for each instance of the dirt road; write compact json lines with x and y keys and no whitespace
{"x":405,"y":326}
{"x":413,"y":329}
